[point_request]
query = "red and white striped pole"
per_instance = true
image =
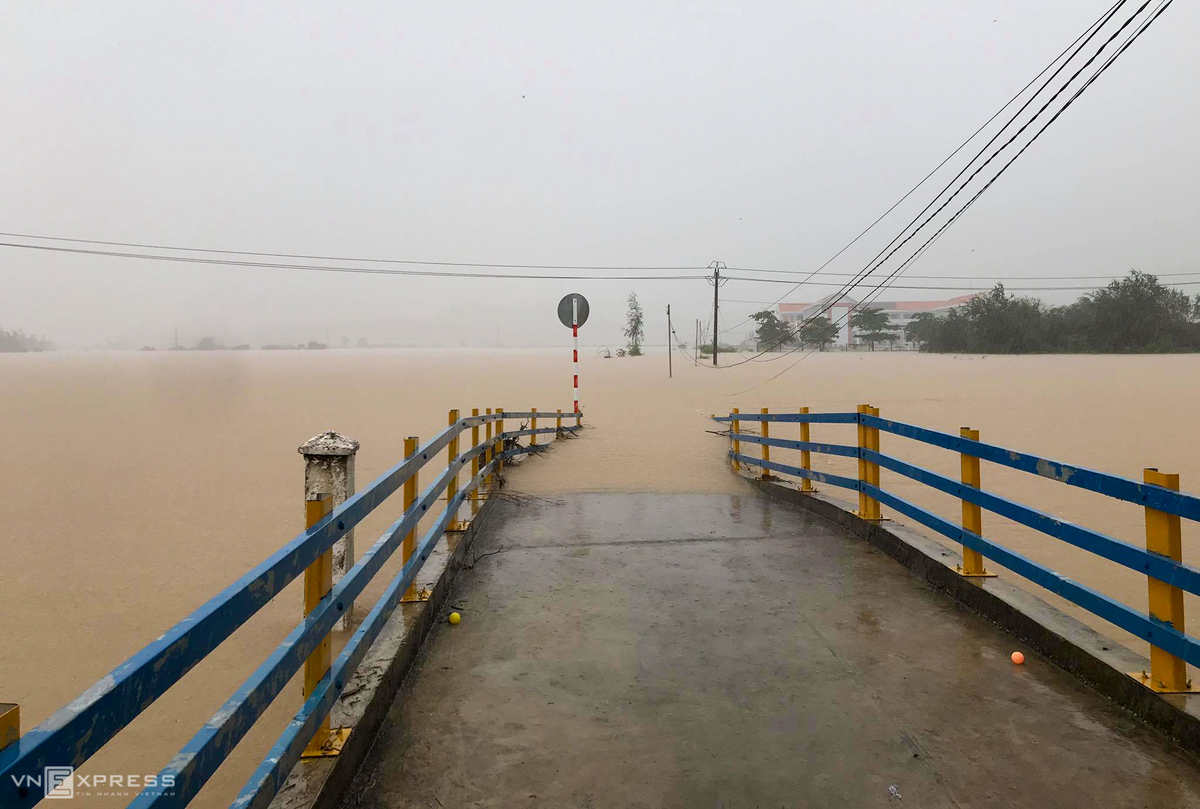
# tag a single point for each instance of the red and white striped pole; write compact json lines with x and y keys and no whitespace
{"x":575,"y":353}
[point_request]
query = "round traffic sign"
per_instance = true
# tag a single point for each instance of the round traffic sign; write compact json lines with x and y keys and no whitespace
{"x":573,"y":305}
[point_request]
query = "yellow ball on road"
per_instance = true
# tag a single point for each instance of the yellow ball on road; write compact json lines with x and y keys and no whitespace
{"x":455,"y":617}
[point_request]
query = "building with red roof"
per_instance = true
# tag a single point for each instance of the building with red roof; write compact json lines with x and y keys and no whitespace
{"x":839,"y":309}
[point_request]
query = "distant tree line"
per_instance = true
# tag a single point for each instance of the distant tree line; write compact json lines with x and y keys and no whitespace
{"x":18,"y":341}
{"x":1135,"y":314}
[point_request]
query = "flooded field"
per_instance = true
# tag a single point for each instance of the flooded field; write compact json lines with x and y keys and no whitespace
{"x":139,"y":485}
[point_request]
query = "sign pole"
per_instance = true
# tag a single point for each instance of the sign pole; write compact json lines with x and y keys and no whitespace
{"x":575,"y":351}
{"x":573,"y":312}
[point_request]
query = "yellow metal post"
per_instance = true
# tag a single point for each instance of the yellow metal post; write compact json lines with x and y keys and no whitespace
{"x":499,"y":440}
{"x":805,"y":455}
{"x":873,"y":468}
{"x":318,"y":581}
{"x":868,"y":472}
{"x":10,"y":723}
{"x":972,"y":514}
{"x":766,"y":451}
{"x":735,"y":428}
{"x":409,"y":546}
{"x":533,"y":426}
{"x":558,"y":425}
{"x":452,"y":466}
{"x":1164,"y":536}
{"x":489,"y":449}
{"x":474,"y":462}
{"x":862,"y":462}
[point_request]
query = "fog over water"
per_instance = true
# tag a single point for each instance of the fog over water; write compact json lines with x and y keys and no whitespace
{"x":762,"y":135}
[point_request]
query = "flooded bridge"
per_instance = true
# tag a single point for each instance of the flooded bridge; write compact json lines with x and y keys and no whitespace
{"x":776,"y":647}
{"x":700,"y":650}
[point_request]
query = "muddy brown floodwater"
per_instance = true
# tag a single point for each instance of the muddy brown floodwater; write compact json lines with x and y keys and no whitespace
{"x":137,"y":486}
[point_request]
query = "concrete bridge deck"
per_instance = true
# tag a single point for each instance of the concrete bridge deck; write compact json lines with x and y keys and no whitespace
{"x":727,"y":651}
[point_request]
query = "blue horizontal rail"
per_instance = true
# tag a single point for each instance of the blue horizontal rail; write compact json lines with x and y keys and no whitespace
{"x":784,"y":443}
{"x":539,"y":431}
{"x":270,"y":775}
{"x":75,"y":732}
{"x":71,"y":735}
{"x":541,"y":414}
{"x":1152,"y":564}
{"x":793,"y":418}
{"x":191,"y":768}
{"x":1131,"y":491}
{"x":1147,"y":627}
{"x":1159,"y":634}
{"x":820,"y":477}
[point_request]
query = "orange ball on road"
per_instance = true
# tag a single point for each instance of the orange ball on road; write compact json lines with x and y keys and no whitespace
{"x":1018,"y":658}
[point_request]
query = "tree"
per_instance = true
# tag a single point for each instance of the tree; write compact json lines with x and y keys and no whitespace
{"x":19,"y":341}
{"x":922,"y":328}
{"x":996,"y":322}
{"x":1137,"y":313}
{"x":772,"y":332}
{"x":1133,"y":314}
{"x":873,"y":326}
{"x":818,"y":331}
{"x":633,"y":326}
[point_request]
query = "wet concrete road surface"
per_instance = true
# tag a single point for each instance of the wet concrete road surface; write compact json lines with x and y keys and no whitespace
{"x":730,"y":651}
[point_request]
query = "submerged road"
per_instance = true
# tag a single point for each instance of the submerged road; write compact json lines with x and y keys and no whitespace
{"x":652,"y":650}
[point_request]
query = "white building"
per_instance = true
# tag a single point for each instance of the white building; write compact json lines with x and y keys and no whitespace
{"x":839,"y":310}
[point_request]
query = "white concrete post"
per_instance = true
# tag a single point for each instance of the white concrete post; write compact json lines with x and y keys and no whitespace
{"x":329,"y":469}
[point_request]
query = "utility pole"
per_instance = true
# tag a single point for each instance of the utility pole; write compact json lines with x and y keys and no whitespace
{"x":716,"y":267}
{"x":670,"y":370}
{"x":716,"y":309}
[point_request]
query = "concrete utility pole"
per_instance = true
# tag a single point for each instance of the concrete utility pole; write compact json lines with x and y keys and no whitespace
{"x":716,"y":267}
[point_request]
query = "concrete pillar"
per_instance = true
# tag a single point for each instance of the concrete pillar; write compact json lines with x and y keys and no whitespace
{"x":329,"y":469}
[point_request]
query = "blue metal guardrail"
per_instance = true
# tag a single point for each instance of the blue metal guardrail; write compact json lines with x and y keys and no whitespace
{"x":1161,"y":563}
{"x":87,"y":723}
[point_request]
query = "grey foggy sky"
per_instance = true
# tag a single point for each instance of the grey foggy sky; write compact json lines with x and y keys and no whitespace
{"x":649,"y":133}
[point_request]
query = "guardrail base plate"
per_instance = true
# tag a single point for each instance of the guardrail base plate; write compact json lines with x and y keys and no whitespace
{"x":423,"y":595}
{"x":332,"y":746}
{"x":983,"y":575}
{"x":1158,"y":688}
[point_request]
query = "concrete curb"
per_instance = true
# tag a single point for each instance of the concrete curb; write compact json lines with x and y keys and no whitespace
{"x":1086,"y":654}
{"x":322,"y":783}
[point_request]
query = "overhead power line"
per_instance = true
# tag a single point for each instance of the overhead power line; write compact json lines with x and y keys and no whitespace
{"x":884,"y":255}
{"x":948,"y":288}
{"x":982,"y":279}
{"x":364,"y":270}
{"x":1129,"y":40}
{"x":178,"y":249}
{"x":1133,"y":37}
{"x":1095,"y":26}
